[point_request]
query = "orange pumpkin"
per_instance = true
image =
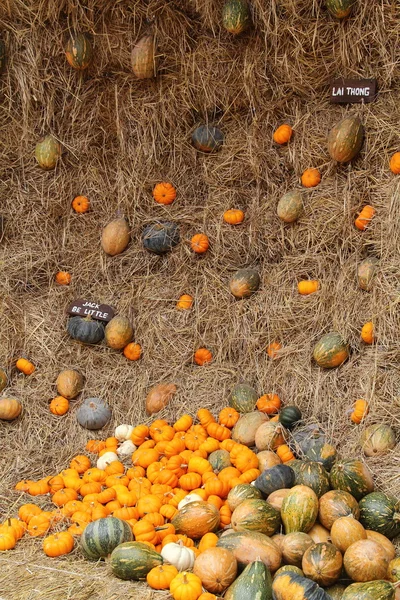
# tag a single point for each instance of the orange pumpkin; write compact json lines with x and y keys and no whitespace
{"x":273,"y":350}
{"x":59,"y":406}
{"x":80,"y":204}
{"x":25,"y":366}
{"x":199,"y":243}
{"x":365,"y":217}
{"x":269,"y":404}
{"x":185,"y":302}
{"x":63,"y":278}
{"x":234,"y":216}
{"x":308,"y":286}
{"x":283,"y":134}
{"x":132,"y":351}
{"x":164,"y":193}
{"x":202,"y":356}
{"x":360,"y":411}
{"x":367,"y":333}
{"x":205,"y":417}
{"x":228,"y":417}
{"x":311,"y":178}
{"x":395,"y":163}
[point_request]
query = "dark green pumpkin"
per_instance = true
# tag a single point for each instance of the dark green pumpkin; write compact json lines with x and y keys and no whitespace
{"x":306,"y":437}
{"x":3,"y":57}
{"x":100,"y":537}
{"x":244,"y":283}
{"x":236,"y":16}
{"x":381,"y":512}
{"x":243,"y":398}
{"x":352,"y":476}
{"x":372,"y":590}
{"x":133,"y":560}
{"x":47,"y":152}
{"x":207,"y":138}
{"x":276,"y":478}
{"x":289,"y":416}
{"x":248,"y":546}
{"x":290,"y":206}
{"x":345,"y":139}
{"x":79,"y":51}
{"x":339,"y":8}
{"x":85,"y":329}
{"x":254,"y":514}
{"x":241,"y":492}
{"x":3,"y":379}
{"x":313,"y":475}
{"x":295,"y":464}
{"x":322,"y":453}
{"x":331,"y":350}
{"x":93,"y":413}
{"x":160,"y":237}
{"x":366,"y":272}
{"x":254,"y":582}
{"x":219,"y":459}
{"x":289,"y":585}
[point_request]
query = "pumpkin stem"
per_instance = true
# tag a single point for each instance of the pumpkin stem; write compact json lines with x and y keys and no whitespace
{"x":184,"y":578}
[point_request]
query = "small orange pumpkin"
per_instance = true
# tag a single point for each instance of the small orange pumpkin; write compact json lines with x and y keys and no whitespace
{"x":283,"y":134}
{"x":234,"y":216}
{"x":228,"y":417}
{"x":308,"y":286}
{"x":367,"y":333}
{"x":132,"y":351}
{"x":25,"y":366}
{"x":284,"y":453}
{"x":185,"y":302}
{"x":311,"y":178}
{"x":199,"y":243}
{"x":80,"y":204}
{"x":360,"y":411}
{"x":269,"y":403}
{"x":365,"y":217}
{"x":59,"y":405}
{"x":202,"y":356}
{"x":164,"y":193}
{"x":273,"y":350}
{"x":395,"y":163}
{"x":63,"y":278}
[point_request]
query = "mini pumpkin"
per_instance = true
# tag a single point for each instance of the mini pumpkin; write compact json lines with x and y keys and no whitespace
{"x":79,"y":51}
{"x":308,"y":286}
{"x":118,"y":332}
{"x":186,"y":586}
{"x":159,"y":578}
{"x":185,"y":302}
{"x":395,"y":163}
{"x":207,"y":139}
{"x":273,"y":350}
{"x":311,"y":178}
{"x":269,"y":404}
{"x":234,"y":216}
{"x":80,"y":204}
{"x":283,"y":134}
{"x":199,"y":243}
{"x":164,"y":193}
{"x":25,"y":366}
{"x":365,"y":217}
{"x":202,"y":356}
{"x":63,"y":278}
{"x":367,"y":333}
{"x":360,"y":411}
{"x":59,"y":406}
{"x":132,"y":351}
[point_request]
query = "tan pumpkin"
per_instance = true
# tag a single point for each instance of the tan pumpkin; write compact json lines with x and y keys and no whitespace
{"x":115,"y":237}
{"x":366,"y":272}
{"x":336,"y":504}
{"x":118,"y":332}
{"x":322,"y":563}
{"x":318,"y":533}
{"x":268,"y":459}
{"x":245,"y":429}
{"x":69,"y":384}
{"x":377,"y":440}
{"x":196,"y":519}
{"x":366,"y":560}
{"x":143,"y":59}
{"x":383,"y":541}
{"x":10,"y":408}
{"x":345,"y":531}
{"x":294,"y":546}
{"x":269,"y":436}
{"x":159,"y":396}
{"x":217,"y":569}
{"x":276,"y":498}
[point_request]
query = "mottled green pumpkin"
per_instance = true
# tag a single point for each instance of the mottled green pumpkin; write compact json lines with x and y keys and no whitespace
{"x":3,"y":379}
{"x":206,"y":138}
{"x":160,"y":237}
{"x":276,"y":478}
{"x":322,"y":453}
{"x":243,"y":398}
{"x":85,"y":329}
{"x":377,"y":440}
{"x":322,"y":563}
{"x":331,"y":350}
{"x":47,"y":152}
{"x":299,"y":509}
{"x":248,"y":546}
{"x":336,"y":591}
{"x":133,"y":560}
{"x":381,"y":512}
{"x":3,"y":56}
{"x":290,"y":206}
{"x":366,"y":272}
{"x":339,"y":9}
{"x":289,"y":568}
{"x":256,"y":515}
{"x":372,"y":590}
{"x":345,"y":139}
{"x":100,"y":537}
{"x":289,"y":585}
{"x":309,"y":435}
{"x":241,"y":492}
{"x":79,"y":51}
{"x":393,"y":572}
{"x":313,"y":475}
{"x":236,"y":16}
{"x":289,"y":416}
{"x":245,"y":429}
{"x":244,"y":283}
{"x":335,"y":504}
{"x":219,"y":459}
{"x":254,"y":582}
{"x":352,"y":476}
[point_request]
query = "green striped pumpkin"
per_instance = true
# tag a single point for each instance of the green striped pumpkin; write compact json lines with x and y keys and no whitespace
{"x":133,"y":560}
{"x":254,"y":582}
{"x":241,"y":492}
{"x":339,"y":8}
{"x":352,"y":476}
{"x":331,"y":351}
{"x":100,"y":537}
{"x":377,"y":440}
{"x":79,"y":51}
{"x":322,"y":453}
{"x":243,"y":398}
{"x":219,"y":459}
{"x":299,"y":509}
{"x":313,"y":475}
{"x":256,"y":515}
{"x":381,"y":512}
{"x":290,"y":568}
{"x":345,"y":139}
{"x":372,"y":590}
{"x":236,"y":16}
{"x":47,"y":152}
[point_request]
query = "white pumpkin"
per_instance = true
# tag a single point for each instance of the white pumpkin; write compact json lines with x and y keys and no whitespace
{"x":123,"y":432}
{"x":106,"y":459}
{"x":189,"y":498}
{"x":126,"y":449}
{"x":178,"y":555}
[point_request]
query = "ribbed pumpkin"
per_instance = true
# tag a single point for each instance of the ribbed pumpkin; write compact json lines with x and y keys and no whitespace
{"x":244,"y":283}
{"x":160,"y":237}
{"x":256,"y":515}
{"x":241,"y":492}
{"x":322,"y":453}
{"x":289,"y":585}
{"x":345,"y":139}
{"x":294,"y":546}
{"x":217,"y":569}
{"x":133,"y":560}
{"x":377,"y":440}
{"x":93,"y":413}
{"x":345,"y":531}
{"x":289,"y":416}
{"x":336,"y":504}
{"x":309,"y":435}
{"x":339,"y":8}
{"x":196,"y":519}
{"x":10,"y":408}
{"x":248,"y":546}
{"x":365,"y":560}
{"x":236,"y":16}
{"x":299,"y":509}
{"x":269,"y":436}
{"x":143,"y":58}
{"x":366,"y":272}
{"x":219,"y":459}
{"x":314,"y":476}
{"x":373,"y":590}
{"x":352,"y":476}
{"x":115,"y":237}
{"x":69,"y":383}
{"x":207,"y":138}
{"x":290,"y":206}
{"x":79,"y":51}
{"x":47,"y":152}
{"x":331,"y":350}
{"x":245,"y":429}
{"x":100,"y":537}
{"x":381,"y":512}
{"x":118,"y":332}
{"x":254,"y":582}
{"x":243,"y":398}
{"x":85,"y":329}
{"x":275,"y":478}
{"x":322,"y":563}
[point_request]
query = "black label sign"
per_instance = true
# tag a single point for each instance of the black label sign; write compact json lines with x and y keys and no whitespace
{"x":85,"y":308}
{"x":353,"y":91}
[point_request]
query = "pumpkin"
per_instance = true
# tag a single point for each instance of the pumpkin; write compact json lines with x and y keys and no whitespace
{"x":115,"y":237}
{"x":322,"y":453}
{"x":308,"y":286}
{"x":199,"y":243}
{"x":243,"y":398}
{"x":93,"y":413}
{"x":101,"y":537}
{"x":276,"y":498}
{"x":366,"y":272}
{"x":178,"y":555}
{"x":306,"y":437}
{"x":10,"y":408}
{"x":3,"y":56}
{"x":244,"y":283}
{"x":59,"y":406}
{"x":164,"y":193}
{"x":133,"y":560}
{"x":132,"y":351}
{"x":245,"y":429}
{"x":47,"y":152}
{"x":345,"y":531}
{"x":207,"y":139}
{"x":85,"y":329}
{"x":289,"y":585}
{"x":339,"y":8}
{"x":290,"y":206}
{"x":377,"y":440}
{"x":269,"y":436}
{"x":360,"y":411}
{"x":289,"y":416}
{"x":185,"y":302}
{"x":318,"y":534}
{"x":236,"y":16}
{"x":217,"y":569}
{"x":365,"y":217}
{"x":248,"y":546}
{"x":313,"y":475}
{"x":254,"y":582}
{"x":353,"y":476}
{"x":383,"y":541}
{"x":394,"y":161}
{"x":336,"y":504}
{"x":241,"y":492}
{"x":196,"y":519}
{"x":365,"y":560}
{"x":219,"y":459}
{"x":269,"y":404}
{"x":275,"y":478}
{"x":63,"y":278}
{"x":185,"y":586}
{"x":345,"y":139}
{"x":299,"y":509}
{"x":159,"y":396}
{"x":118,"y":332}
{"x":283,"y":134}
{"x":268,"y":459}
{"x":367,"y":333}
{"x":202,"y":356}
{"x":233,"y":216}
{"x":69,"y":383}
{"x":381,"y":512}
{"x":79,"y":51}
{"x":289,"y":568}
{"x":311,"y":178}
{"x":322,"y":563}
{"x":159,"y":578}
{"x":58,"y":544}
{"x":143,"y":58}
{"x":160,"y":237}
{"x":80,"y":204}
{"x":254,"y":514}
{"x":373,"y":590}
{"x":393,"y":572}
{"x":331,"y":351}
{"x":3,"y":379}
{"x":335,"y":591}
{"x":294,"y":546}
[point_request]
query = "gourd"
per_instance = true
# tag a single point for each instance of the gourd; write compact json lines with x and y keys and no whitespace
{"x":3,"y":379}
{"x":236,"y":16}
{"x":254,"y":514}
{"x":377,"y":440}
{"x":245,"y":429}
{"x":381,"y":512}
{"x":80,"y":204}
{"x":248,"y":546}
{"x":366,"y":272}
{"x":352,"y":476}
{"x":322,"y":453}
{"x":322,"y":563}
{"x":290,"y":206}
{"x":79,"y":51}
{"x":160,"y":237}
{"x":372,"y":590}
{"x":254,"y":582}
{"x":10,"y":408}
{"x":339,"y":8}
{"x":143,"y":58}
{"x":299,"y":509}
{"x":336,"y":504}
{"x":217,"y":569}
{"x":244,"y":283}
{"x":196,"y":519}
{"x":159,"y":578}
{"x":178,"y":555}
{"x":85,"y":329}
{"x":93,"y":413}
{"x":241,"y":492}
{"x":118,"y":332}
{"x":282,"y":134}
{"x":314,"y":476}
{"x":69,"y":383}
{"x":164,"y":193}
{"x":345,"y":531}
{"x":394,"y":159}
{"x":243,"y":398}
{"x":294,"y":546}
{"x":289,"y":416}
{"x":289,"y":585}
{"x":133,"y":560}
{"x":331,"y":350}
{"x":336,"y":591}
{"x":345,"y":139}
{"x":47,"y":152}
{"x":393,"y":572}
{"x":100,"y":537}
{"x":275,"y":478}
{"x":115,"y":237}
{"x":233,"y":216}
{"x":365,"y":560}
{"x":207,"y":138}
{"x":269,"y":436}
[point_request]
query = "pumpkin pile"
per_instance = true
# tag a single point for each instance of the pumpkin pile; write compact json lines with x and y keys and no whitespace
{"x":252,"y":501}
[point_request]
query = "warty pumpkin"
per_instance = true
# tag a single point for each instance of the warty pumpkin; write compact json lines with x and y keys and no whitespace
{"x":79,"y":51}
{"x":115,"y":237}
{"x":143,"y":58}
{"x":47,"y":152}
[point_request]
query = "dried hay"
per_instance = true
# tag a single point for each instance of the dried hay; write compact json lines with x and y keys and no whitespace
{"x":120,"y":137}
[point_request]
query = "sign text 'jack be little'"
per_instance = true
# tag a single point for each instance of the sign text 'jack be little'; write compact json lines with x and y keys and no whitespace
{"x":86,"y":308}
